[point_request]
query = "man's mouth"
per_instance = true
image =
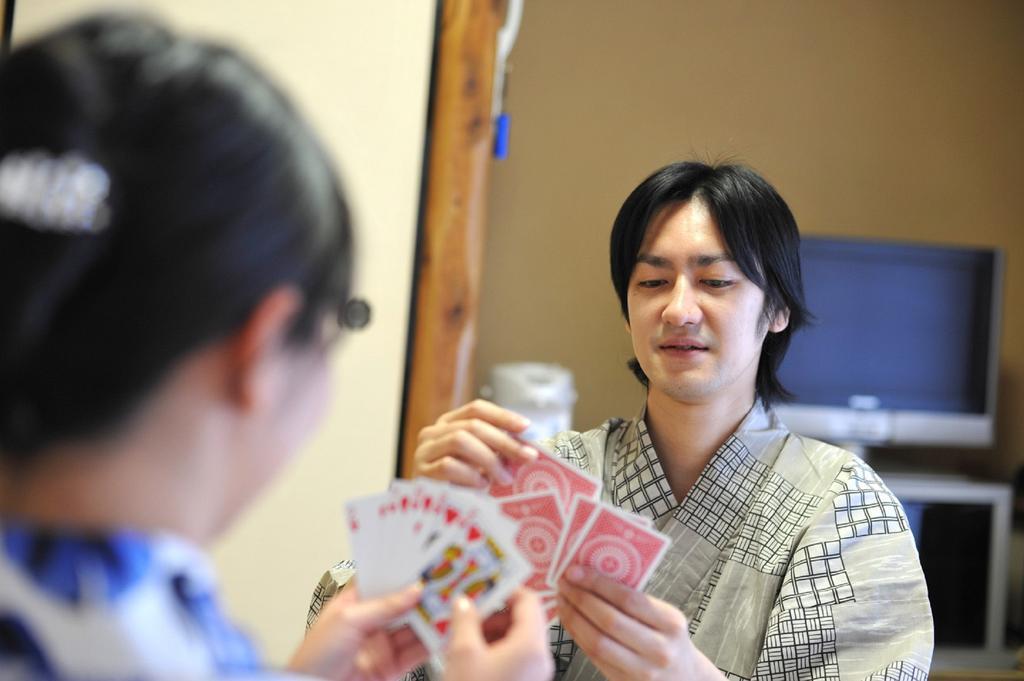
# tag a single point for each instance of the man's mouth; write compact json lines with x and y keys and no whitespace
{"x":682,"y":345}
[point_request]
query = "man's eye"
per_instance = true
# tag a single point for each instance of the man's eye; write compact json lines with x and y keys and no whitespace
{"x":717,"y":283}
{"x":650,"y":283}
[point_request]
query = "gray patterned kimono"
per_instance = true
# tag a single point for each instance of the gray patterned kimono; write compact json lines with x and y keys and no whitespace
{"x":790,"y":558}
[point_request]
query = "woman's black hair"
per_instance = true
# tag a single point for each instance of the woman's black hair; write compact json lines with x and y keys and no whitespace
{"x":758,"y":229}
{"x":218,"y":193}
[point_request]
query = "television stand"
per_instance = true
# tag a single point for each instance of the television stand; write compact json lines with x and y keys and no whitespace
{"x":962,"y":528}
{"x":953,"y":661}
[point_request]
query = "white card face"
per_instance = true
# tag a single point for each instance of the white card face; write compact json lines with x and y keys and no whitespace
{"x":371,"y":520}
{"x":467,"y":559}
{"x":515,"y":568}
{"x":430,"y":500}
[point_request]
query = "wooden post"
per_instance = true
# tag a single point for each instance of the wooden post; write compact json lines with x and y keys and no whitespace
{"x":440,"y":375}
{"x":6,"y":25}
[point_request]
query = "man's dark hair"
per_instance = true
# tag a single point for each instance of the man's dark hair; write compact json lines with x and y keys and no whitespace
{"x":758,"y":229}
{"x":218,"y":193}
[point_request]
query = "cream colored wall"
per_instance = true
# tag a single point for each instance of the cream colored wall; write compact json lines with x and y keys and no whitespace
{"x":874,"y":118}
{"x":360,"y":70}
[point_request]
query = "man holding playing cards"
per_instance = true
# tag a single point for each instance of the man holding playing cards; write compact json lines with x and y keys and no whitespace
{"x":788,"y":557}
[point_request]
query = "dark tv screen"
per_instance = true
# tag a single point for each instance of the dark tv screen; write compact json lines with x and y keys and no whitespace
{"x":907,"y":324}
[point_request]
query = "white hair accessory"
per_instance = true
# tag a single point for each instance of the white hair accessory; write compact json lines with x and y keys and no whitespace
{"x":65,"y":193}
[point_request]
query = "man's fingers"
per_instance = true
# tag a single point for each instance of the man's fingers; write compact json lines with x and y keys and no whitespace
{"x":636,"y":604}
{"x":477,"y":445}
{"x":450,"y":469}
{"x":499,"y":440}
{"x":469,"y":435}
{"x":469,"y":442}
{"x":499,"y":417}
{"x":614,"y":624}
{"x":482,"y":436}
{"x":613,"y":658}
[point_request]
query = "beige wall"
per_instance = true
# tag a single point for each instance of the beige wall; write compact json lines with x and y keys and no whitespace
{"x":361,"y":71}
{"x":872,"y":118}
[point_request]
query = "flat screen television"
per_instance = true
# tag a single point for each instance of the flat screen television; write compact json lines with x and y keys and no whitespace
{"x":904,"y":347}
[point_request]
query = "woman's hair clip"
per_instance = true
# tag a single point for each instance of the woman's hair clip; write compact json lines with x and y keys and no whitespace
{"x":65,"y":193}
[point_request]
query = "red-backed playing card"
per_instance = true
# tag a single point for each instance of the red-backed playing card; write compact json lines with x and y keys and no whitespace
{"x":618,"y":548}
{"x":548,"y":472}
{"x":539,"y":519}
{"x":575,"y":522}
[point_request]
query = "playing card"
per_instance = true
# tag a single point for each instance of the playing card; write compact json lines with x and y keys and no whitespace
{"x":539,"y":525}
{"x":548,"y":472}
{"x":516,"y":568}
{"x":618,"y":547}
{"x":369,"y":523}
{"x":468,"y":559}
{"x":404,"y":531}
{"x":575,"y":522}
{"x":460,"y":541}
{"x":429,"y":502}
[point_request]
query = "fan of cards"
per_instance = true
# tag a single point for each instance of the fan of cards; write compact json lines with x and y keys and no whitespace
{"x":485,"y":545}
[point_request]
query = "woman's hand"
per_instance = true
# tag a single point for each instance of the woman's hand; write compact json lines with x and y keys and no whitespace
{"x":520,"y":654}
{"x":470,"y":445}
{"x":626,"y":633}
{"x":351,"y":642}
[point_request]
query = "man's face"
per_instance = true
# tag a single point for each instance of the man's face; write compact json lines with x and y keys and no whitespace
{"x":695,"y":319}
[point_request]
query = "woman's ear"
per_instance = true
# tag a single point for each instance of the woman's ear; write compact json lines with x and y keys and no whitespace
{"x":251,"y":349}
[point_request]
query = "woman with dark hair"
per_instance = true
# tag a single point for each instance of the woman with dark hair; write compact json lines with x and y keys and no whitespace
{"x":174,"y":252}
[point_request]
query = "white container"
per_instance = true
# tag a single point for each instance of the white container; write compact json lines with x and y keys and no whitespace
{"x":543,"y":393}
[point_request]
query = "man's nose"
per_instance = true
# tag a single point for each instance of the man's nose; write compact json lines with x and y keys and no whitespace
{"x":682,"y":307}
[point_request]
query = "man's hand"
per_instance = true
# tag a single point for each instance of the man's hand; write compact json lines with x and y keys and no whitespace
{"x":520,"y":654}
{"x":350,"y":641}
{"x":627,"y":634}
{"x":469,"y":445}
